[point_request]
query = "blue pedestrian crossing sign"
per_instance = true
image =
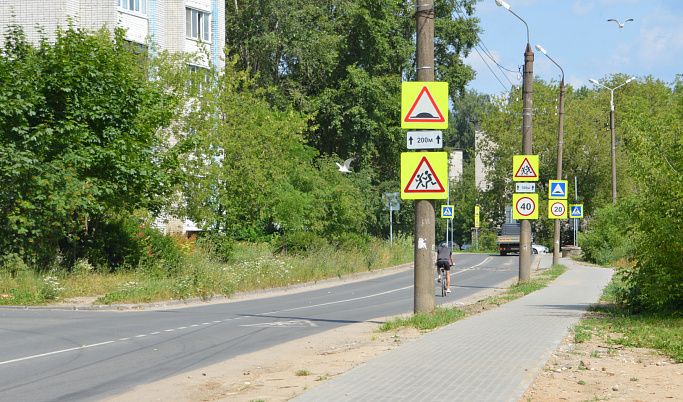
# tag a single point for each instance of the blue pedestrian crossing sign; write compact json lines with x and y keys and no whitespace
{"x":576,"y":211}
{"x":557,"y":190}
{"x":447,"y":211}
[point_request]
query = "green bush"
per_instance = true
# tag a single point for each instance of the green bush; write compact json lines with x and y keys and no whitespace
{"x":488,"y":241}
{"x":298,"y":242}
{"x":161,"y":257}
{"x":609,"y":235}
{"x":219,"y":246}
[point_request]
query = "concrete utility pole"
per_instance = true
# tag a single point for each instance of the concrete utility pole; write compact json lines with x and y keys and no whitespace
{"x":560,"y":141}
{"x":424,"y":209}
{"x":611,"y":126}
{"x":527,"y":114}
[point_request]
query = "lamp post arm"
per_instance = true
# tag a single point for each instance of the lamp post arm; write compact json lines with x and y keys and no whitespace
{"x":525,"y":24}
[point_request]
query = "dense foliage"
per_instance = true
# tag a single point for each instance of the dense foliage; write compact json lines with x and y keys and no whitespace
{"x":78,"y":143}
{"x":644,"y":226}
{"x":343,"y":62}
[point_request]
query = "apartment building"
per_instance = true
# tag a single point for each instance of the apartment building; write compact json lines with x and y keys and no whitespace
{"x":173,"y":25}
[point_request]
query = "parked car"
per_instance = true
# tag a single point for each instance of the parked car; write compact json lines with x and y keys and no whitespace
{"x":538,"y":249}
{"x":466,"y":246}
{"x":453,"y":246}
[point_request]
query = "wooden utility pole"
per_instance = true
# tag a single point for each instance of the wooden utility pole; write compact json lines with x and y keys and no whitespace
{"x":424,"y":209}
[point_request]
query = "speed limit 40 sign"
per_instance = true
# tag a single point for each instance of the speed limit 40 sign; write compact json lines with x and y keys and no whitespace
{"x":557,"y":209}
{"x":525,"y":206}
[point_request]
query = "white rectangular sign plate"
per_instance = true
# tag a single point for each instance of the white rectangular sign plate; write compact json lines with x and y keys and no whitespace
{"x":424,"y":139}
{"x":525,"y":187}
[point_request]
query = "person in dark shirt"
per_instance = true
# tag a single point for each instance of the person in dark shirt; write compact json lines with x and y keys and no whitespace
{"x":444,"y":259}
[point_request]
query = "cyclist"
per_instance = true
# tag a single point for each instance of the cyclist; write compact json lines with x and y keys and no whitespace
{"x":444,"y":259}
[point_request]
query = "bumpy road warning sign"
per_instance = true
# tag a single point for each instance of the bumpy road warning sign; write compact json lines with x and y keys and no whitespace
{"x":424,"y":105}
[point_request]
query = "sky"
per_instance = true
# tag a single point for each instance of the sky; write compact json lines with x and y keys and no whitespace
{"x":577,"y":35}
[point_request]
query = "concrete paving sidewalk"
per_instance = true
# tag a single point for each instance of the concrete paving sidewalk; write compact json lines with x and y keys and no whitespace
{"x":492,"y":356}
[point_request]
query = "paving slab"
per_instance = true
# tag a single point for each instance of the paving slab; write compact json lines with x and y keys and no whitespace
{"x":491,"y":356}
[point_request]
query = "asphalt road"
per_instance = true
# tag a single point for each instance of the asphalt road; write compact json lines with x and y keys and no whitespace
{"x":58,"y":355}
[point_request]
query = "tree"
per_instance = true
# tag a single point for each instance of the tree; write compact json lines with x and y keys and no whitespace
{"x":654,"y":148}
{"x":250,"y":174}
{"x":343,"y":61}
{"x":78,"y":139}
{"x":586,"y":147}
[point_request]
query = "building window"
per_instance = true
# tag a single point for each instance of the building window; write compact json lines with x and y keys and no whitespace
{"x":139,"y":6}
{"x":197,"y":25}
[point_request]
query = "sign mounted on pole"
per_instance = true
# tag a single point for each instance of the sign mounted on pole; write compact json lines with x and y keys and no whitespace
{"x":447,"y":211}
{"x":423,"y":175}
{"x":557,"y":189}
{"x":557,"y":209}
{"x":424,"y":139}
{"x":424,"y":105}
{"x":525,"y":168}
{"x":525,"y":206}
{"x":576,"y":211}
{"x":476,"y":216}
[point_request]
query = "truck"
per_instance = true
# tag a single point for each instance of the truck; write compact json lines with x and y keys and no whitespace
{"x":508,"y":238}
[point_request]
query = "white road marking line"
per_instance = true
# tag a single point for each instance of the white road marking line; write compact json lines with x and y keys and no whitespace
{"x":486,"y":259}
{"x":340,"y":301}
{"x":55,"y":352}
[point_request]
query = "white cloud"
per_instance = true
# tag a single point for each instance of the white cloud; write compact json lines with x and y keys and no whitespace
{"x":579,"y":9}
{"x":661,"y":39}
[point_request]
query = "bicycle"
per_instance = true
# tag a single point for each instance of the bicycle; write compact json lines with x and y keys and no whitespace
{"x":444,"y":284}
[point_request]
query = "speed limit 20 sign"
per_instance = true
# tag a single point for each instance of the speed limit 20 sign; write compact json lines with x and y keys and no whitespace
{"x":557,"y":209}
{"x":525,"y":206}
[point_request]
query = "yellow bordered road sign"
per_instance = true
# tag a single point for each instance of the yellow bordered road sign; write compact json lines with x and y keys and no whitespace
{"x":447,"y":211}
{"x":557,"y":189}
{"x":424,"y":105}
{"x":476,"y":216}
{"x":557,"y":209}
{"x":525,"y":168}
{"x":576,"y":211}
{"x":525,"y":206}
{"x":424,"y":175}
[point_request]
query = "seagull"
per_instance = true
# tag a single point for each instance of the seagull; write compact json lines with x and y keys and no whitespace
{"x":620,"y":24}
{"x":347,"y":163}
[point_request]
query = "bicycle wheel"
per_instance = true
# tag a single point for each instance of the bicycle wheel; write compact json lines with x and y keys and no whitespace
{"x":444,"y":285}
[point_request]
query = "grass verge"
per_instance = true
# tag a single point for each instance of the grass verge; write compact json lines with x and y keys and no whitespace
{"x":616,"y":326}
{"x":253,"y":267}
{"x":441,"y":316}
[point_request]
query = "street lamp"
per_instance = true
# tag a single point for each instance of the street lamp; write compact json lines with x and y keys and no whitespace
{"x":527,"y":113}
{"x":560,"y":133}
{"x":611,"y":123}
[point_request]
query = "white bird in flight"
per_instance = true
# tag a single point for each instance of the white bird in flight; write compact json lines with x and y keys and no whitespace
{"x":620,"y":24}
{"x":347,"y":163}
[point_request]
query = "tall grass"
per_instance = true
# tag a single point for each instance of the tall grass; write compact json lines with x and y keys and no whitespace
{"x":252,"y":267}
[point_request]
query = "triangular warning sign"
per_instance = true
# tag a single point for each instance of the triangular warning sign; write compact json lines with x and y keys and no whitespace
{"x":424,"y":109}
{"x":526,"y":170}
{"x":558,"y":189}
{"x":424,"y":180}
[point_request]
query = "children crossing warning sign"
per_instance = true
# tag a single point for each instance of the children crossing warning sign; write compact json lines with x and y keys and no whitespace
{"x":525,"y":168}
{"x":424,"y":105}
{"x":423,"y":175}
